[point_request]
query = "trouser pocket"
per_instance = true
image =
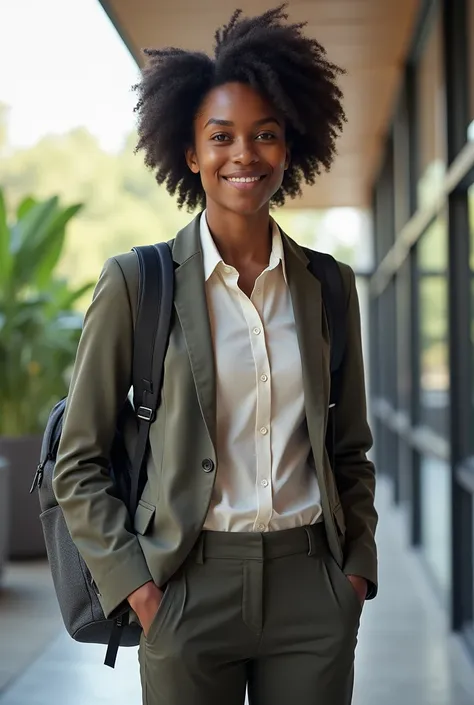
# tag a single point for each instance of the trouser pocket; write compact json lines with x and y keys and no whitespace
{"x":160,"y":618}
{"x":342,"y":586}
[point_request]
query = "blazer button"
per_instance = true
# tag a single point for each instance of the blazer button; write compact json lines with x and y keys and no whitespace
{"x":207,"y":465}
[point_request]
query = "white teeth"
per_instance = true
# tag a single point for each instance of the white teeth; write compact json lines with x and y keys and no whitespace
{"x":244,"y":180}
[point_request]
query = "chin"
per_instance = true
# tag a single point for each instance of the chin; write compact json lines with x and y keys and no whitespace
{"x":245,"y":206}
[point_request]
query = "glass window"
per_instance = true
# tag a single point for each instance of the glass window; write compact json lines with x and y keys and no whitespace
{"x":401,"y":164}
{"x":470,"y":197}
{"x":431,"y":127}
{"x":404,"y":376}
{"x":472,"y":363}
{"x":435,"y":493}
{"x":470,"y":34}
{"x":433,"y":301}
{"x":384,"y":206}
{"x":387,"y":331}
{"x":471,"y":259}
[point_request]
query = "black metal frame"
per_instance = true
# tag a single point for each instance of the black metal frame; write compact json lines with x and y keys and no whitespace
{"x":457,"y":90}
{"x":415,"y":441}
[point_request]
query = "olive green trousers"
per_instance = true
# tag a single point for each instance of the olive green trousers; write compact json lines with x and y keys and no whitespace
{"x":270,"y":612}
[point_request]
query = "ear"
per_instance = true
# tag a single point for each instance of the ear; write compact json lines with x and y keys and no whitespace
{"x":191,"y":160}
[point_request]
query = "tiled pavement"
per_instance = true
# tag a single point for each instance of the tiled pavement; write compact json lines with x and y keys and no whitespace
{"x":405,"y":655}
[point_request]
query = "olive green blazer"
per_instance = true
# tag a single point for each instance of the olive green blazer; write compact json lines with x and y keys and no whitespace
{"x":182,"y":463}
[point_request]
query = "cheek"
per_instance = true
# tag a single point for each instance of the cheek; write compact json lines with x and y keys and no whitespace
{"x":279,"y":159}
{"x":210,"y":163}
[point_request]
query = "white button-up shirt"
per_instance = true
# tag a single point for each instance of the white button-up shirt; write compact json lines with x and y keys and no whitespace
{"x":265,"y":480}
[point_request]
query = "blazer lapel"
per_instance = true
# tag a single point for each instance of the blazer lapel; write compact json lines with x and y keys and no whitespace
{"x":191,"y":308}
{"x":306,"y":297}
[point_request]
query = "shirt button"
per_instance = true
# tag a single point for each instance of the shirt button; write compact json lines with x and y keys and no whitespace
{"x":264,"y":483}
{"x":258,"y":291}
{"x":227,"y":269}
{"x":264,"y":378}
{"x":257,"y":331}
{"x":264,"y":431}
{"x":262,"y":527}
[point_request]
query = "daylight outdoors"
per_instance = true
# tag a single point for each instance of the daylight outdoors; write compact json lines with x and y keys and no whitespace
{"x":73,"y":193}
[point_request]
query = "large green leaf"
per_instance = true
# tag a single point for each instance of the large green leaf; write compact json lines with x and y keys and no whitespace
{"x":26,"y":235}
{"x":25,"y":206}
{"x":39,"y":328}
{"x":50,"y":248}
{"x":25,"y":231}
{"x":68,"y":298}
{"x":5,"y":256}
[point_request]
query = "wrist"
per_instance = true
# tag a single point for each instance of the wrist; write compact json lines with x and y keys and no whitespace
{"x":142,"y":595}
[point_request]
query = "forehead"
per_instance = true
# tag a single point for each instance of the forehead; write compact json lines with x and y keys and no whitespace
{"x":235,"y":101}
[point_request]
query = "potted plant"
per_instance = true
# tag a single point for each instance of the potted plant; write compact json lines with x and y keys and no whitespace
{"x":39,"y":332}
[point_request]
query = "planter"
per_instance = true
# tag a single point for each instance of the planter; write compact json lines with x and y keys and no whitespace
{"x":4,"y":513}
{"x":26,"y":534}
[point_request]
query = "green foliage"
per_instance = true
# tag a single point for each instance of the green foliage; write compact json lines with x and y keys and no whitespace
{"x":123,"y":207}
{"x":39,"y":328}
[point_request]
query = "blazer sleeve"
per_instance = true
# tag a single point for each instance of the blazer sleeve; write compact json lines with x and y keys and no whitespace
{"x":97,"y":521}
{"x":355,"y":473}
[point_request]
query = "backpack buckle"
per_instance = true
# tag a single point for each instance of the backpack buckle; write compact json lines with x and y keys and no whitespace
{"x":145,"y":413}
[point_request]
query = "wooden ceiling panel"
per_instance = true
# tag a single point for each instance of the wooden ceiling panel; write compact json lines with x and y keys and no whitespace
{"x":368,"y":38}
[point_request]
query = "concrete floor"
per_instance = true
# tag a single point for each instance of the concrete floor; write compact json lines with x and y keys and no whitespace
{"x":405,"y":653}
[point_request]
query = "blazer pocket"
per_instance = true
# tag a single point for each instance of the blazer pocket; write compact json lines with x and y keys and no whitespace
{"x":143,"y":517}
{"x":340,"y":521}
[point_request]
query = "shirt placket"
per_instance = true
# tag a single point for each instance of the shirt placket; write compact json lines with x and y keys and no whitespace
{"x":263,"y":456}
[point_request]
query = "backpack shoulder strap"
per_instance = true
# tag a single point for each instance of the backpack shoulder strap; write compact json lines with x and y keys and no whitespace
{"x":325,"y":268}
{"x":155,"y":303}
{"x":150,"y":341}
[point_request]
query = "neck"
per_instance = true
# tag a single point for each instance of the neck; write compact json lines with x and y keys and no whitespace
{"x":241,"y":239}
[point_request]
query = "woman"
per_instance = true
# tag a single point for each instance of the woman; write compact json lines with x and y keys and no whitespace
{"x":249,"y":559}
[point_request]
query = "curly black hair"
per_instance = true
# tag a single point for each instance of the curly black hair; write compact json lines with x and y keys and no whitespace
{"x":274,"y":57}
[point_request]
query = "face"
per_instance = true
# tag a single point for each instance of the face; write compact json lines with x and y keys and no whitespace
{"x":240,"y":149}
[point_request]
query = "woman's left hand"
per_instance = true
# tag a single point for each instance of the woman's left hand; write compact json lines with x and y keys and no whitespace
{"x":360,"y":586}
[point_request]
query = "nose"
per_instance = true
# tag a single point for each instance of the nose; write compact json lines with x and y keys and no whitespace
{"x":245,"y":152}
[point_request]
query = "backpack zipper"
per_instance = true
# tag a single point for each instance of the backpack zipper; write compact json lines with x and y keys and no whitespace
{"x":38,"y":478}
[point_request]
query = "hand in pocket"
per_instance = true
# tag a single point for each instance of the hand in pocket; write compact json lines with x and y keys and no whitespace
{"x":145,"y":602}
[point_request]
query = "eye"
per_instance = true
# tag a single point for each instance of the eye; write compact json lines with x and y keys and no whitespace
{"x":266,"y":136}
{"x":220,"y":137}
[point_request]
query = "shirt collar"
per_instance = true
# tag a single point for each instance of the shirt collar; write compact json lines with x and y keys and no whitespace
{"x":212,"y":257}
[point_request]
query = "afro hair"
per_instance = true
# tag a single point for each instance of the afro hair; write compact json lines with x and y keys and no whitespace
{"x":272,"y":56}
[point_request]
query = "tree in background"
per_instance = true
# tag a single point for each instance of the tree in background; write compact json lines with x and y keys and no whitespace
{"x":123,"y":204}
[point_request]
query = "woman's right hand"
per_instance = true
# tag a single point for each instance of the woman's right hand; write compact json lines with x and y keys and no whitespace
{"x":145,"y":602}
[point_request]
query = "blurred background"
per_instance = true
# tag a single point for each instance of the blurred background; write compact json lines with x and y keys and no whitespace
{"x":398,"y":206}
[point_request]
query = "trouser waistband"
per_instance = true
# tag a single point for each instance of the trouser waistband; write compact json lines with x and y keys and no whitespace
{"x":260,"y":546}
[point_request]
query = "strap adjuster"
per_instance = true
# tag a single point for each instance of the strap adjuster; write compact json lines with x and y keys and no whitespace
{"x":145,"y":413}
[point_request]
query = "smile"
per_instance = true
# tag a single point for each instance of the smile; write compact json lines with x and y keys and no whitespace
{"x":244,"y":182}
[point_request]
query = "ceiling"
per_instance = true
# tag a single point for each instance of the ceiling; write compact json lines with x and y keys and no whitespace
{"x":369,"y":38}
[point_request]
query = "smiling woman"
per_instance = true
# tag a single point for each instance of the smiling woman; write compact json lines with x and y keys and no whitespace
{"x":257,"y":550}
{"x":290,"y":73}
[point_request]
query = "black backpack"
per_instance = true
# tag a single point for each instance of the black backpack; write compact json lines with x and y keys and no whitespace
{"x":75,"y":589}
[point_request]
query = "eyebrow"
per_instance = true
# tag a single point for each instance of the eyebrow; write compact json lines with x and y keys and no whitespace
{"x":229,"y":123}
